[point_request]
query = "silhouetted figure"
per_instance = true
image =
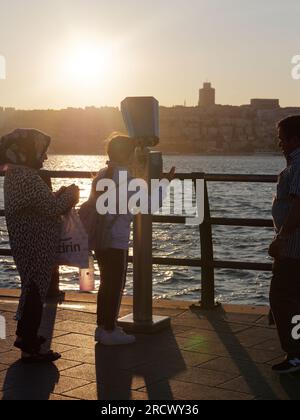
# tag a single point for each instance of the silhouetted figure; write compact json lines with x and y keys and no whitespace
{"x":33,"y":215}
{"x":111,"y":242}
{"x":285,"y":249}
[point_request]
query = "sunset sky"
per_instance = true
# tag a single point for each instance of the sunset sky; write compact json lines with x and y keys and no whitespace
{"x":62,"y":53}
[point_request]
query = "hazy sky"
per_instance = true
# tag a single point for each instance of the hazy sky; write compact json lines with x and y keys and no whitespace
{"x":63,"y":53}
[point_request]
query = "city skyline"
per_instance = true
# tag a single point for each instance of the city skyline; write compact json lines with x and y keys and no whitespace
{"x":90,"y":53}
{"x":206,"y":100}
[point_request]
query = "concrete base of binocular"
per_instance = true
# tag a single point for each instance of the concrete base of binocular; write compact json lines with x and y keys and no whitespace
{"x":157,"y":324}
{"x":141,"y":117}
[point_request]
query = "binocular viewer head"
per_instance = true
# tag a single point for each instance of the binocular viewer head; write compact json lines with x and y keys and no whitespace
{"x":141,"y":118}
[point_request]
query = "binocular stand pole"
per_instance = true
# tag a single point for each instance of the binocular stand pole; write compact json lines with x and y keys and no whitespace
{"x":142,"y":319}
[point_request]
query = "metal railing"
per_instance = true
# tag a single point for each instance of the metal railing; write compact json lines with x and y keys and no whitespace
{"x":206,"y":261}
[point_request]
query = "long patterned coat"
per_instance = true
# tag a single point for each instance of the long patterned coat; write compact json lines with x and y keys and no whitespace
{"x":34,"y":224}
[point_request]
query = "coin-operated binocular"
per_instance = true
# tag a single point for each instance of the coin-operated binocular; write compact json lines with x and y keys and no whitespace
{"x":141,"y":117}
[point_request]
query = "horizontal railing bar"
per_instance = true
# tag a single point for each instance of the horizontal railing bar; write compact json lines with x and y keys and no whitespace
{"x":181,"y":176}
{"x":169,"y":219}
{"x":4,"y":252}
{"x":188,"y":262}
{"x":214,"y":221}
{"x":91,"y":175}
{"x":65,"y":174}
{"x":240,"y":178}
{"x":239,"y":265}
{"x":220,"y":221}
{"x":178,"y":262}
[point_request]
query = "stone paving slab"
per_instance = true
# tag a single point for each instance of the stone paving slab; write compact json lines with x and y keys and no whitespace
{"x":222,"y":355}
{"x":189,"y":391}
{"x":75,"y":327}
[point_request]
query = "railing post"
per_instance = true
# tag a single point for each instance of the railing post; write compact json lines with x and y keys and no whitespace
{"x":207,"y":257}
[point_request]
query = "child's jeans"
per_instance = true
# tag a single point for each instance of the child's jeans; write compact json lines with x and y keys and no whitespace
{"x":113,"y":270}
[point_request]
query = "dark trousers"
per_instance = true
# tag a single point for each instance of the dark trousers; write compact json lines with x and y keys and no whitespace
{"x":285,"y":302}
{"x":29,"y":324}
{"x":113,"y":269}
{"x":53,"y":290}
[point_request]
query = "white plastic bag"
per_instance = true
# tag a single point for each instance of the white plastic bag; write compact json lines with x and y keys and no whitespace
{"x":73,"y":248}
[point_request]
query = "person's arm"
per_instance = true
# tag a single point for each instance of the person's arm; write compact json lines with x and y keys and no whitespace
{"x":292,"y":221}
{"x":38,"y":196}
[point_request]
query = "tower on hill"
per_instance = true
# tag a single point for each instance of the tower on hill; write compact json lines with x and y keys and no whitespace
{"x":207,"y":95}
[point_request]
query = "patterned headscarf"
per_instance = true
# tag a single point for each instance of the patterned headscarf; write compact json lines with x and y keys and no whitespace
{"x":24,"y":147}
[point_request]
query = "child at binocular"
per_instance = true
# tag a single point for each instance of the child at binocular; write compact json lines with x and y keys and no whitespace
{"x":109,"y":236}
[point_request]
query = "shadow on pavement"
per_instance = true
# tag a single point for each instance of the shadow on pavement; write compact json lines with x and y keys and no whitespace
{"x":30,"y":382}
{"x":147,"y":365}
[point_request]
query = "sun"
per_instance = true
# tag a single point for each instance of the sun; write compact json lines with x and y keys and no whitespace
{"x":86,"y":63}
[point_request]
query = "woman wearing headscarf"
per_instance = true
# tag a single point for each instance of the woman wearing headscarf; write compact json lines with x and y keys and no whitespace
{"x":33,"y":216}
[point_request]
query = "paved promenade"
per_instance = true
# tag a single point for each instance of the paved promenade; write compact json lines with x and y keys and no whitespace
{"x":226,"y":354}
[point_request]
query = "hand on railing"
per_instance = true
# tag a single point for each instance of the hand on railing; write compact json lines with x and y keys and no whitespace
{"x":169,"y":175}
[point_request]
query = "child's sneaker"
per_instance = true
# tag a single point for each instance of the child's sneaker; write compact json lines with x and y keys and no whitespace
{"x":114,"y":338}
